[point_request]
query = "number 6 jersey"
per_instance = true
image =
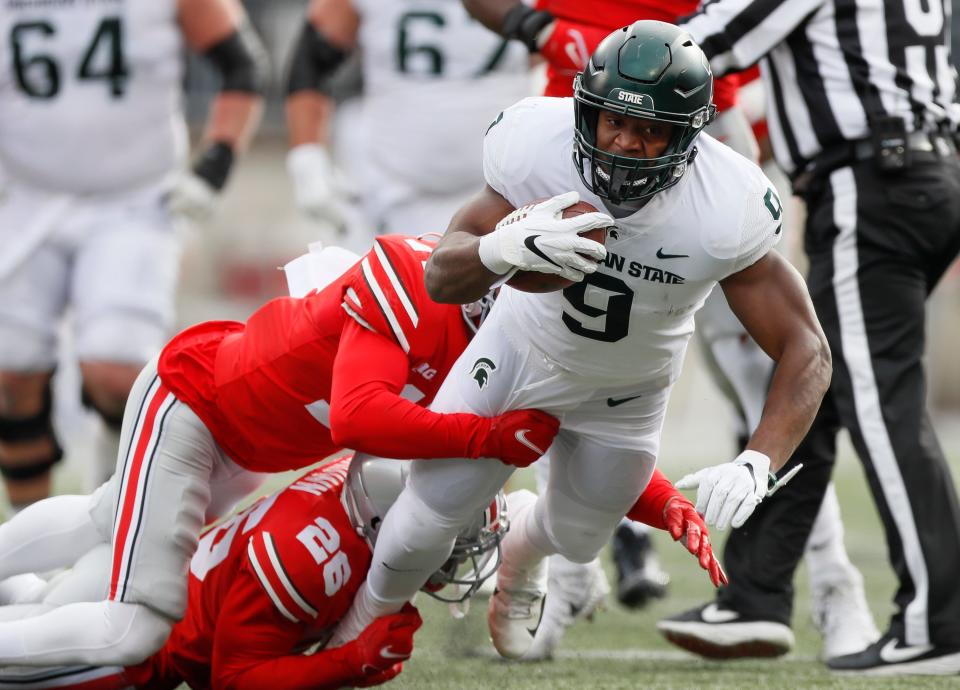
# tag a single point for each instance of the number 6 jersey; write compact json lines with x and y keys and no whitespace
{"x":90,"y":93}
{"x":630,"y":321}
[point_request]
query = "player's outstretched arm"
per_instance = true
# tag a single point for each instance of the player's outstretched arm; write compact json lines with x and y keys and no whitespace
{"x":328,"y":35}
{"x":771,"y":300}
{"x":488,"y":240}
{"x":219,"y":30}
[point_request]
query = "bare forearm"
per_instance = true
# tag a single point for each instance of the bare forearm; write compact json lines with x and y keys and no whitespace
{"x":234,"y":117}
{"x":454,"y":274}
{"x":308,"y":117}
{"x":799,"y":383}
{"x":490,"y":13}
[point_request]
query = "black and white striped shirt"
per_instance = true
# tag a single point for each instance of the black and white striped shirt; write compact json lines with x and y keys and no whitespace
{"x":832,"y":66}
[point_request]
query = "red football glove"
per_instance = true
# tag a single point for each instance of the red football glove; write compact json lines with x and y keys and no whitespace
{"x":379,"y":678}
{"x":681,"y":519}
{"x":520,"y":437}
{"x":384,"y":645}
{"x":569,"y":45}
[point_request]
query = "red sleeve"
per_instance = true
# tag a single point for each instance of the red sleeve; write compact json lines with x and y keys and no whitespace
{"x":725,"y":91}
{"x":255,"y":646}
{"x":368,"y":414}
{"x":649,"y":507}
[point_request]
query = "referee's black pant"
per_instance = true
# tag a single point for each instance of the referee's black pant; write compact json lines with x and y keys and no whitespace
{"x":878,"y":244}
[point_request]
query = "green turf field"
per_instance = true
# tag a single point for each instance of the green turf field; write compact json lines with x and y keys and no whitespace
{"x":622,"y":649}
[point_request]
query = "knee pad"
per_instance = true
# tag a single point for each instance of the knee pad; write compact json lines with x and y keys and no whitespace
{"x":32,"y":428}
{"x":113,"y":420}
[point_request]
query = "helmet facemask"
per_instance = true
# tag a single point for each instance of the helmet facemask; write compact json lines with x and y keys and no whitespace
{"x":475,"y":557}
{"x":475,"y":313}
{"x":372,"y":486}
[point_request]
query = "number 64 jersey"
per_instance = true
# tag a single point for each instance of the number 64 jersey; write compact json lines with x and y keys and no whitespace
{"x":90,"y":93}
{"x":629,"y":323}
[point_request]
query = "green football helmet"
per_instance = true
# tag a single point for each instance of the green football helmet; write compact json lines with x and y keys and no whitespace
{"x":651,"y":70}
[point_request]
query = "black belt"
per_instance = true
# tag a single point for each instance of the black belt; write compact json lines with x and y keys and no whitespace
{"x":922,"y":146}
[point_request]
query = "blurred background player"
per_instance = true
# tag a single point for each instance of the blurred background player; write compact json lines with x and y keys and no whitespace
{"x":433,"y":79}
{"x":92,"y":143}
{"x":565,"y":33}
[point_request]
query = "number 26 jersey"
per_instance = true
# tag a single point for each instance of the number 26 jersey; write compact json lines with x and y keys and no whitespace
{"x":90,"y":93}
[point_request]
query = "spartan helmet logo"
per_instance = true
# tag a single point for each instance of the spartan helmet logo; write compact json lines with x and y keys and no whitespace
{"x":481,"y":371}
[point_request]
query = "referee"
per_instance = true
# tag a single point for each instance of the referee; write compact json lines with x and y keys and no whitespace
{"x":862,"y":116}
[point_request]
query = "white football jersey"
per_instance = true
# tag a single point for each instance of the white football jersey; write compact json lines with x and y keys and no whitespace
{"x":631,"y":320}
{"x":433,"y":79}
{"x":90,"y":93}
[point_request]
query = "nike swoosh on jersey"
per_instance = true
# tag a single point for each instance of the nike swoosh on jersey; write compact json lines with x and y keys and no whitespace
{"x":713,"y":614}
{"x":530,"y":243}
{"x":893,"y":654}
{"x":611,"y":402}
{"x":521,"y":436}
{"x":661,"y":255}
{"x":387,"y":654}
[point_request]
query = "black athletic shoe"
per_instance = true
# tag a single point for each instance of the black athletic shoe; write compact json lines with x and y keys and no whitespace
{"x":639,"y":575}
{"x":888,"y":656}
{"x":718,"y":633}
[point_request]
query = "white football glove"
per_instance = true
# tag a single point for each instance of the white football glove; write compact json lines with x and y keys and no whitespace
{"x":727,"y":494}
{"x":193,"y":197}
{"x":317,"y":189}
{"x":538,"y":238}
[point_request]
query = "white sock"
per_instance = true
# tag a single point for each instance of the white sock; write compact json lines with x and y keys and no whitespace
{"x":526,"y":546}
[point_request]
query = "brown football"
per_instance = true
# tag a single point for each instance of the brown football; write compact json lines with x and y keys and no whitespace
{"x":534,"y":281}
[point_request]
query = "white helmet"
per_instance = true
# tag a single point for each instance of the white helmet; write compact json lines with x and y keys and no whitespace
{"x":372,"y":486}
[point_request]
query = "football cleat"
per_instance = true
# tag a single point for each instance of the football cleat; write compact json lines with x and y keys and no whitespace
{"x":577,"y":592}
{"x":639,"y":575}
{"x":888,"y":656}
{"x":715,"y":632}
{"x":841,"y":614}
{"x":513,"y":617}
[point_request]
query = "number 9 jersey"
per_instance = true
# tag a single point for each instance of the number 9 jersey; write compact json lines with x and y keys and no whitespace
{"x":90,"y":93}
{"x":630,"y":321}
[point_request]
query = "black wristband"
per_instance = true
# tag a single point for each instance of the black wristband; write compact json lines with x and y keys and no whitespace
{"x":523,"y":23}
{"x":214,"y":165}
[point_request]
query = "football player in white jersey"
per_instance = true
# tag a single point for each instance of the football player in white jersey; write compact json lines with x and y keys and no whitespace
{"x":419,"y":57}
{"x":92,"y":143}
{"x":602,"y":354}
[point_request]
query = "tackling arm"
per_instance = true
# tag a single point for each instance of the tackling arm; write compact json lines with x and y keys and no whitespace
{"x":367,"y":412}
{"x":771,"y":300}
